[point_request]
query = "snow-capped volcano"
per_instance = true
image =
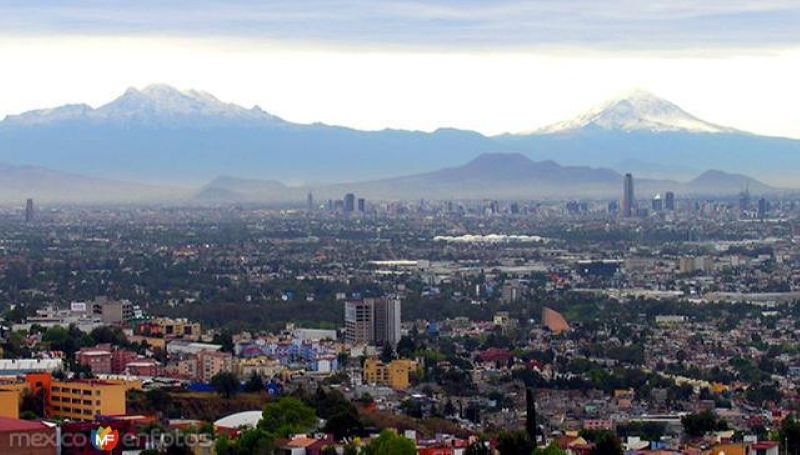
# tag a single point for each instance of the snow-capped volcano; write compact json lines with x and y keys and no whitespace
{"x":638,"y":110}
{"x":157,"y":104}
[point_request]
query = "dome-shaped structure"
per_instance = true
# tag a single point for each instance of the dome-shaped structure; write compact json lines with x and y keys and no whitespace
{"x":554,"y":321}
{"x":247,"y":419}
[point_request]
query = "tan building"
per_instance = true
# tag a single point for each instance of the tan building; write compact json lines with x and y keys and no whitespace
{"x":359,"y":322}
{"x":112,"y":311}
{"x":262,"y":366}
{"x":395,"y":375}
{"x":211,"y":363}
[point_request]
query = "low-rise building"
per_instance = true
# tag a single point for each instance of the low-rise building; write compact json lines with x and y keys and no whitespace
{"x":395,"y":375}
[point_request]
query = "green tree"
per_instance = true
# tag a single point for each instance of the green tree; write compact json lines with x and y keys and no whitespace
{"x":514,"y":443}
{"x":389,"y":443}
{"x":406,"y":347}
{"x":790,"y":434}
{"x":607,"y":444}
{"x":255,"y":441}
{"x":254,"y":383}
{"x":225,"y":383}
{"x":387,"y":355}
{"x":287,"y":416}
{"x":696,"y":425}
{"x":32,"y":404}
{"x":108,"y":334}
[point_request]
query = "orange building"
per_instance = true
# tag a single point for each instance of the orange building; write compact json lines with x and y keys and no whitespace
{"x":77,"y":400}
{"x":9,"y":404}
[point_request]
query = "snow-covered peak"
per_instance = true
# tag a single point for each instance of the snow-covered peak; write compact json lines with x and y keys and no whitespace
{"x":637,"y":110}
{"x":161,"y":103}
{"x":156,"y":104}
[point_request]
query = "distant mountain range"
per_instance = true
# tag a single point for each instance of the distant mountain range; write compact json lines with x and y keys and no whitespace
{"x":491,"y":175}
{"x":20,"y":182}
{"x":496,"y":175}
{"x":167,"y":138}
{"x":642,"y":132}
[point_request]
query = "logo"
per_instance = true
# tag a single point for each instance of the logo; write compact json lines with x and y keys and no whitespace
{"x":105,"y":438}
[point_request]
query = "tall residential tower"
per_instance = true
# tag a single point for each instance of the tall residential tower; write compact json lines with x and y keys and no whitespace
{"x":628,"y":201}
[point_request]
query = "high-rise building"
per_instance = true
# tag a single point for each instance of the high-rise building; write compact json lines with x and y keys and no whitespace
{"x":372,"y":321}
{"x":29,"y":210}
{"x":669,"y":200}
{"x":657,"y":204}
{"x":359,"y":317}
{"x":387,"y":321}
{"x":362,"y":205}
{"x":744,"y":200}
{"x":349,"y":202}
{"x":763,"y":208}
{"x":628,"y":200}
{"x":310,"y":202}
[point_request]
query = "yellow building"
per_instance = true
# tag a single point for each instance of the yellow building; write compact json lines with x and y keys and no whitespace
{"x":83,"y":400}
{"x":178,"y":328}
{"x":9,"y":404}
{"x":395,"y":375}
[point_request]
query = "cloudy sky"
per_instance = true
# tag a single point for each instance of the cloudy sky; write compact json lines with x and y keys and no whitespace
{"x":492,"y":66}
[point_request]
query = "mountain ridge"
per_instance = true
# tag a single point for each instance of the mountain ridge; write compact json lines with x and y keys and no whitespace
{"x":161,"y":135}
{"x":637,"y":110}
{"x":493,"y":175}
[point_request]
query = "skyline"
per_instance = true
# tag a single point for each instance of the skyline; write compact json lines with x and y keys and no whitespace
{"x":504,"y":67}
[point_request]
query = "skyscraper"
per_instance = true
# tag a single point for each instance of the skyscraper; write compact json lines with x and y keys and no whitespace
{"x":763,"y":208}
{"x":362,"y":205}
{"x":657,"y":204}
{"x":669,"y":200}
{"x":310,"y":202}
{"x":349,"y":202}
{"x":744,"y":200}
{"x":359,"y":320}
{"x":372,"y":321}
{"x":627,"y":196}
{"x":387,"y":321}
{"x":29,"y":210}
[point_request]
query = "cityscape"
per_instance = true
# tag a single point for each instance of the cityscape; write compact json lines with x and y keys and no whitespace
{"x":412,"y":228}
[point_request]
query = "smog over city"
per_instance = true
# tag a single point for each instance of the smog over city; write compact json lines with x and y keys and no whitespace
{"x":400,"y":227}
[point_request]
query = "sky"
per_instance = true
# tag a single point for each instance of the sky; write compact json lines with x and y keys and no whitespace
{"x":491,"y":66}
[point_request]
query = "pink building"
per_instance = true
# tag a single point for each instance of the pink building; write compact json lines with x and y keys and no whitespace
{"x":144,"y":367}
{"x":98,"y":360}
